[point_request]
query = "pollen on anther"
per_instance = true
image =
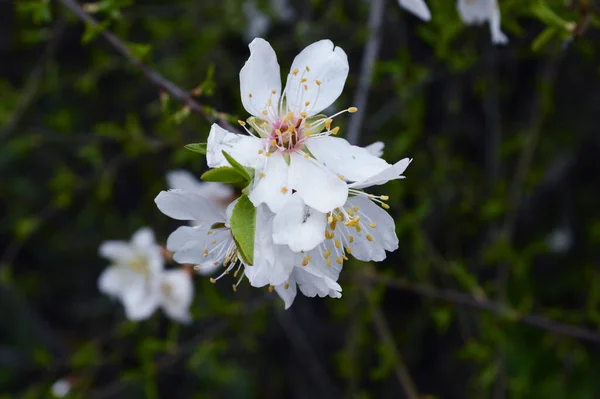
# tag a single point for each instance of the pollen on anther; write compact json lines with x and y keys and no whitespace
{"x":250,"y":95}
{"x":303,"y":80}
{"x":242,"y":123}
{"x":278,"y":132}
{"x":348,"y":249}
{"x":286,"y":286}
{"x":372,"y":225}
{"x":369,"y":237}
{"x":341,"y":177}
{"x":260,"y":152}
{"x":213,"y":242}
{"x":209,"y":232}
{"x":385,"y":206}
{"x":351,"y":239}
{"x":303,"y":114}
{"x":273,"y":91}
{"x":384,"y":197}
{"x":234,"y":287}
{"x":212,"y":280}
{"x":284,"y":190}
{"x":307,"y":68}
{"x":273,"y":143}
{"x":271,"y":288}
{"x":318,"y":82}
{"x":328,"y":263}
{"x":306,"y":156}
{"x":328,"y":124}
{"x":308,"y":133}
{"x":267,"y":154}
{"x":335,"y":130}
{"x":305,"y":87}
{"x":196,"y":267}
{"x":265,"y":112}
{"x":306,"y":104}
{"x":352,"y":110}
{"x":261,"y":175}
{"x":295,"y":72}
{"x":338,"y":244}
{"x":339,"y":260}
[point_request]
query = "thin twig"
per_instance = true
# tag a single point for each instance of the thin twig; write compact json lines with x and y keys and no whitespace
{"x":156,"y":78}
{"x":370,"y":54}
{"x":385,"y":335}
{"x":498,"y":308}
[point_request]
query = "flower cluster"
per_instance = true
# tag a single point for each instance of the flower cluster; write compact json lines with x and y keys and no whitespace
{"x":472,"y":12}
{"x":138,"y":279}
{"x":304,"y":205}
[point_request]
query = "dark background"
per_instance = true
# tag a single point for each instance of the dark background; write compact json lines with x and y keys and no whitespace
{"x":498,"y":218}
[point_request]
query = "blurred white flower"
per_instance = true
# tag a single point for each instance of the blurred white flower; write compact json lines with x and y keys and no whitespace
{"x":218,"y":194}
{"x":480,"y":11}
{"x":60,"y":388}
{"x":560,"y":240}
{"x":376,"y":148}
{"x":137,"y":278}
{"x":258,"y":22}
{"x":417,"y":7}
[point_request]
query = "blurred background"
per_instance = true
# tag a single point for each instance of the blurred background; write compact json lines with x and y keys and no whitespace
{"x":493,"y":293}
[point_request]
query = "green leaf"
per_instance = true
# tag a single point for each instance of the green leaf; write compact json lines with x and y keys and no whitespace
{"x":141,"y":51}
{"x":543,"y":38}
{"x":236,"y":165}
{"x":243,"y":225}
{"x":224,"y":174}
{"x":197,"y":147}
{"x":93,"y":31}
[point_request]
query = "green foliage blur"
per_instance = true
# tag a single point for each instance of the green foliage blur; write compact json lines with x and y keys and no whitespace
{"x":500,"y":203}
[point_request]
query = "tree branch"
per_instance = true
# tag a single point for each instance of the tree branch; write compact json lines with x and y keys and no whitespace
{"x":156,"y":78}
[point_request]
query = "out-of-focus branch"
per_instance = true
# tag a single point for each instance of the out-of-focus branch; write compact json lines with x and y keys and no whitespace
{"x":366,"y":70}
{"x":385,"y":335}
{"x":156,"y":78}
{"x":481,"y":303}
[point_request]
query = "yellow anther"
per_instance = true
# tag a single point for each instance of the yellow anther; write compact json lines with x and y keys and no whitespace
{"x":292,"y":128}
{"x":295,"y":72}
{"x":307,"y":68}
{"x":250,"y":95}
{"x":213,"y":242}
{"x":344,"y":257}
{"x":348,"y":249}
{"x":369,"y":237}
{"x":327,"y":253}
{"x":303,"y":114}
{"x":318,"y":82}
{"x":214,"y":263}
{"x":372,"y":225}
{"x":267,"y":154}
{"x":330,"y":219}
{"x":338,"y":244}
{"x":308,"y":133}
{"x":385,"y":206}
{"x":355,"y":209}
{"x":328,"y":124}
{"x":304,"y":262}
{"x":305,"y":87}
{"x":273,"y":143}
{"x":335,"y":130}
{"x":328,"y":263}
{"x":350,"y":239}
{"x":209,"y":232}
{"x":306,"y":156}
{"x":196,"y":267}
{"x":260,"y":152}
{"x":212,"y":280}
{"x":303,"y":80}
{"x":265,"y":112}
{"x":341,"y":177}
{"x":352,"y":110}
{"x":332,"y":225}
{"x":307,"y":125}
{"x":234,"y":287}
{"x":384,"y":197}
{"x":278,"y":132}
{"x":271,"y":288}
{"x":284,"y":190}
{"x":261,"y":175}
{"x":273,"y":91}
{"x":252,"y":119}
{"x":289,"y":116}
{"x":286,"y":286}
{"x":339,"y":260}
{"x":242,"y":123}
{"x":263,"y":125}
{"x":350,"y":212}
{"x":306,"y":104}
{"x":269,"y":103}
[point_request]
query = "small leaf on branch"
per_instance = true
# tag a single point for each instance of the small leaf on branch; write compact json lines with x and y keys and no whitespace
{"x":243,"y":226}
{"x":225,"y":174}
{"x":197,"y":147}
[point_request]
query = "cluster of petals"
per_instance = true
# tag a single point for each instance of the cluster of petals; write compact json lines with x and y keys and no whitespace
{"x":308,"y":187}
{"x":137,"y":277}
{"x":472,"y":12}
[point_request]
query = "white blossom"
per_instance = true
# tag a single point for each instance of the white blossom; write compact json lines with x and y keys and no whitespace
{"x":291,"y":148}
{"x":60,"y":388}
{"x":417,"y":7}
{"x":137,"y":278}
{"x":481,"y":11}
{"x":219,"y":194}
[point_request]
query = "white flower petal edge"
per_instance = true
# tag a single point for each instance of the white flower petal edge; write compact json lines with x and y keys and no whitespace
{"x":417,"y":7}
{"x":177,"y":294}
{"x":478,"y":12}
{"x":325,"y":69}
{"x":244,"y":149}
{"x":181,"y":205}
{"x":309,"y":285}
{"x":214,"y":192}
{"x":260,"y":79}
{"x":299,"y":227}
{"x":393,"y":172}
{"x":348,"y":161}
{"x":376,"y":148}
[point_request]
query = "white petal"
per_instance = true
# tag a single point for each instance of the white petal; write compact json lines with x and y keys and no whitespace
{"x":474,"y":12}
{"x":287,"y":292}
{"x":183,"y":180}
{"x":273,"y":264}
{"x":392,"y":173}
{"x":273,"y":187}
{"x":299,"y":226}
{"x":177,"y":294}
{"x":259,"y":77}
{"x":352,"y":162}
{"x":311,"y":285}
{"x":141,"y":300}
{"x":115,"y":280}
{"x":327,"y":64}
{"x":318,"y":187}
{"x":189,"y":244}
{"x":383,"y":235}
{"x":181,"y":205}
{"x":417,"y":7}
{"x":376,"y":148}
{"x":116,"y":251}
{"x":143,"y":238}
{"x":244,"y":149}
{"x":317,"y":265}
